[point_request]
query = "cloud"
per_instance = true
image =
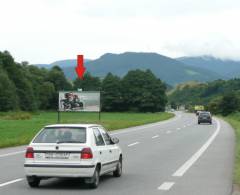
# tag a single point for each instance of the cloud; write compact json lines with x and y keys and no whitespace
{"x":43,"y":31}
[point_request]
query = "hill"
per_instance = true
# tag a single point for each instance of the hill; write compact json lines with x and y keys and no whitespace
{"x":226,"y":68}
{"x":169,"y":70}
{"x":210,"y":94}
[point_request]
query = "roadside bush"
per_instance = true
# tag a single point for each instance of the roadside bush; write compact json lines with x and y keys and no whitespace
{"x":230,"y":103}
{"x":17,"y":116}
{"x":214,"y":105}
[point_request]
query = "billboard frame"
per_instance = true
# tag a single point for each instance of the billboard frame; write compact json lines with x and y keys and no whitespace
{"x":100,"y":105}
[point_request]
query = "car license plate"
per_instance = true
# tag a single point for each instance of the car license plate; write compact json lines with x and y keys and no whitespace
{"x":59,"y":155}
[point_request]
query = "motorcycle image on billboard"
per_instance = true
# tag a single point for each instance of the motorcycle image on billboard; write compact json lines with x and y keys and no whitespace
{"x":79,"y":101}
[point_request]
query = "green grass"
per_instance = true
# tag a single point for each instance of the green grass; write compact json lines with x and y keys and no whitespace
{"x":15,"y":131}
{"x":234,"y":120}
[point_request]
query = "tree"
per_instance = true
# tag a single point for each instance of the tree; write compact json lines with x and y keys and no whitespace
{"x":143,"y":92}
{"x":37,"y":76}
{"x":29,"y":87}
{"x":214,"y":105}
{"x":111,"y":93}
{"x":230,"y":103}
{"x":8,"y":96}
{"x":57,"y":77}
{"x":46,"y":95}
{"x":24,"y":90}
{"x":89,"y":83}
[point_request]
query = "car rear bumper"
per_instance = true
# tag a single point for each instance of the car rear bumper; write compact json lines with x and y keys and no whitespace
{"x":205,"y":121}
{"x":66,"y":170}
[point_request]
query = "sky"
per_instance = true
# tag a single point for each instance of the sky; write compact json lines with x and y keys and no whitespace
{"x":43,"y":31}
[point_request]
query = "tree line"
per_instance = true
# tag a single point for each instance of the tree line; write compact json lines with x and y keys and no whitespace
{"x":29,"y":88}
{"x":219,"y":97}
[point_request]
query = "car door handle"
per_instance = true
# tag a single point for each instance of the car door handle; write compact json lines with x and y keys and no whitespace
{"x":100,"y":152}
{"x":110,"y":151}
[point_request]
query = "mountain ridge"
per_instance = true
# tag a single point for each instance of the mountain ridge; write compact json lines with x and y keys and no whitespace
{"x":168,"y":69}
{"x":225,"y":67}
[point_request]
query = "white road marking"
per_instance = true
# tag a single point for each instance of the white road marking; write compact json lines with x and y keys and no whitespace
{"x":178,"y":128}
{"x":10,"y":182}
{"x":12,"y":153}
{"x":155,"y":136}
{"x":135,"y":143}
{"x":184,"y":126}
{"x":182,"y":170}
{"x":168,"y":132}
{"x":166,"y":186}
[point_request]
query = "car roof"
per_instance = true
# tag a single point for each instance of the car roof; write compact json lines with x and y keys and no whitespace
{"x":205,"y":112}
{"x":72,"y":125}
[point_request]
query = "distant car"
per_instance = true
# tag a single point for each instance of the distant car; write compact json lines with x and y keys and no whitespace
{"x":72,"y":150}
{"x":204,"y":117}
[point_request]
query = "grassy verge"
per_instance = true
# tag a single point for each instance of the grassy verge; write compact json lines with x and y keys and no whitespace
{"x":18,"y":130}
{"x":234,"y":120}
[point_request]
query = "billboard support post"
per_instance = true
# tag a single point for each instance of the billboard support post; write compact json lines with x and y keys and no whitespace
{"x":99,"y":113}
{"x":58,"y":121}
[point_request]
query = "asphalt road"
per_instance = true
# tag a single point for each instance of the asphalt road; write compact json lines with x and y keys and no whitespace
{"x":174,"y":157}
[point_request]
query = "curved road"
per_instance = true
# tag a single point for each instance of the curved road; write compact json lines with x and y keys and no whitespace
{"x":174,"y":157}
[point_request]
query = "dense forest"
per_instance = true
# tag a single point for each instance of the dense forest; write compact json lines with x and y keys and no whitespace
{"x":220,"y":96}
{"x":29,"y":88}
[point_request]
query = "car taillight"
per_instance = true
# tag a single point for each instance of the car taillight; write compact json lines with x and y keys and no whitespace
{"x":86,"y":153}
{"x":29,"y":153}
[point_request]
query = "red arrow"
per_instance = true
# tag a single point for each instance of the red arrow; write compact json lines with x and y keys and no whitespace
{"x":80,"y":69}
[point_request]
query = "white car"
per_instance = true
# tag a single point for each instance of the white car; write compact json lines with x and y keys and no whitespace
{"x":72,"y":150}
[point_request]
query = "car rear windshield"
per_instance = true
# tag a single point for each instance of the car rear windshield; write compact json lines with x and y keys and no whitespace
{"x":62,"y":135}
{"x":204,"y":114}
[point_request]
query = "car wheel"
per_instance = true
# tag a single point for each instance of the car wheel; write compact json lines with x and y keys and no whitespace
{"x":199,"y":123}
{"x":33,"y":182}
{"x":118,"y":171}
{"x":95,"y":179}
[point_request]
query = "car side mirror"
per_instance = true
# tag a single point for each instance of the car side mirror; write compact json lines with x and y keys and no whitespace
{"x":115,"y":140}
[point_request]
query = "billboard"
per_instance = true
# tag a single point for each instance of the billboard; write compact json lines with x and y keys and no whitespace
{"x":82,"y":101}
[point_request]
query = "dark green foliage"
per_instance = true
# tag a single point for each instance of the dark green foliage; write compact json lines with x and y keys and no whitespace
{"x":60,"y":83}
{"x":47,"y":96}
{"x":230,"y":103}
{"x":27,"y":87}
{"x":112,"y":99}
{"x":214,"y":105}
{"x":56,"y":76}
{"x":89,"y":83}
{"x":23,"y":86}
{"x":173,"y":105}
{"x":8,"y":95}
{"x":143,"y":92}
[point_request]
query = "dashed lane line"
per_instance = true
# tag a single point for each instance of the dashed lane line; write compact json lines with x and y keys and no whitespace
{"x":12,"y":153}
{"x":166,"y":186}
{"x":133,"y":144}
{"x":187,"y":165}
{"x":11,"y":182}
